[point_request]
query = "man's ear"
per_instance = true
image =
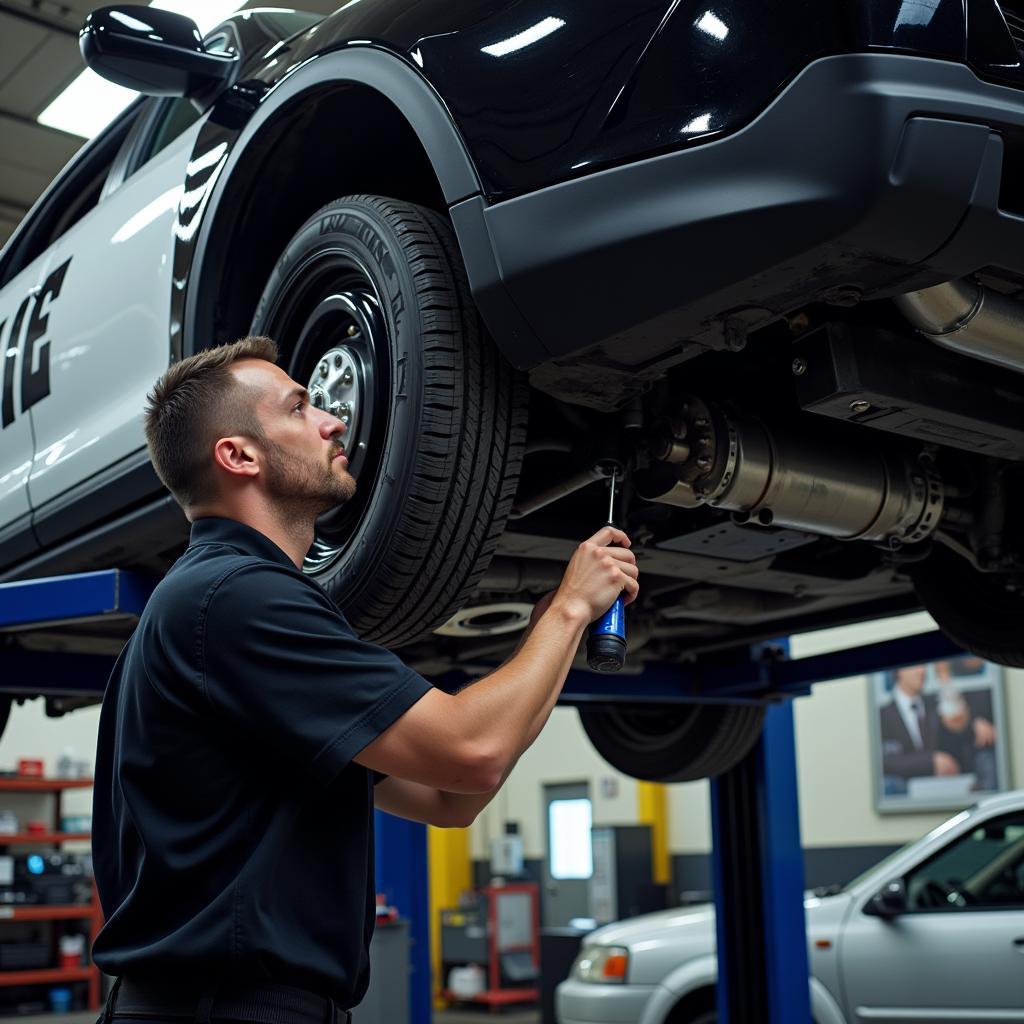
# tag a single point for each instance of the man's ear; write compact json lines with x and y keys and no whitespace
{"x":237,"y":456}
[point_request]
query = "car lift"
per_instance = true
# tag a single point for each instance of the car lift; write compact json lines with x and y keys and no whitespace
{"x":757,"y":862}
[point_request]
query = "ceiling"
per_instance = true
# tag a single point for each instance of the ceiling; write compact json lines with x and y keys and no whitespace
{"x":39,"y":58}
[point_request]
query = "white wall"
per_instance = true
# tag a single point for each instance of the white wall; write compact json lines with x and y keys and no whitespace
{"x":30,"y":733}
{"x":834,"y":754}
{"x":833,"y":760}
{"x":562,"y":753}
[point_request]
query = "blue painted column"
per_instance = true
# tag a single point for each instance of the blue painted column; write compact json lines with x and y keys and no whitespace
{"x":758,"y":877}
{"x":400,"y":864}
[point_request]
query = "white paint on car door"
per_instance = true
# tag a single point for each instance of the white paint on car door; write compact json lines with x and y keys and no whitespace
{"x":109,"y":332}
{"x":16,"y":301}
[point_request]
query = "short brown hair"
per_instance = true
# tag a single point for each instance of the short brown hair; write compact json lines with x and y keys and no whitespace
{"x":193,"y":404}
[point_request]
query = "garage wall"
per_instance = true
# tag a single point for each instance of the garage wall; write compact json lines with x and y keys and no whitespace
{"x":833,"y":748}
{"x":562,"y":753}
{"x":30,"y":733}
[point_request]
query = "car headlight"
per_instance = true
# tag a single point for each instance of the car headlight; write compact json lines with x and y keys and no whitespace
{"x":603,"y":964}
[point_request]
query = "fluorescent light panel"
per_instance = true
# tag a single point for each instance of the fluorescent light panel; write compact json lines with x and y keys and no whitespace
{"x":90,"y":102}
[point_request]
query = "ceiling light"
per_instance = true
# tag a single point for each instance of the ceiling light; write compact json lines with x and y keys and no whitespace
{"x":90,"y":102}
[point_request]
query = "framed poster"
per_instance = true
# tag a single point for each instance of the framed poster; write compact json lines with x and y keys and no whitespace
{"x":938,"y":734}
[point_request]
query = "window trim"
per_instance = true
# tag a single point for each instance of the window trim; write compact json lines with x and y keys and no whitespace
{"x":1009,"y":817}
{"x":54,"y":201}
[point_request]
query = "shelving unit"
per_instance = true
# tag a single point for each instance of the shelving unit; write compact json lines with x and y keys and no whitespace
{"x":90,"y":911}
{"x":512,"y":915}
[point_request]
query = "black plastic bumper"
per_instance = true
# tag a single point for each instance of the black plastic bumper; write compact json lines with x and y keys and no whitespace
{"x":870,"y":174}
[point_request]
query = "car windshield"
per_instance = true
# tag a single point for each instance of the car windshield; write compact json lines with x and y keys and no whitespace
{"x":889,"y":858}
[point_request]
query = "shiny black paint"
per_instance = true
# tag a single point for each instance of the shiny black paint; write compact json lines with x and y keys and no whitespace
{"x":603,"y":83}
{"x":606,"y":84}
{"x":155,"y":51}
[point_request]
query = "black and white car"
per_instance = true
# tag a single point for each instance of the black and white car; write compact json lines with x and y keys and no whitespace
{"x":764,"y":260}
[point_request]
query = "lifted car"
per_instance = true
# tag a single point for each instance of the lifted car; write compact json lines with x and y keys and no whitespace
{"x":518,"y":247}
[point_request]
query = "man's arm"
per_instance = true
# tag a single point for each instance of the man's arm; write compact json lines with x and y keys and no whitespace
{"x":437,"y":807}
{"x":468,"y":742}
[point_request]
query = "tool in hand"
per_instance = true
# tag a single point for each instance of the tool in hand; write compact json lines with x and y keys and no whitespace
{"x":606,"y":642}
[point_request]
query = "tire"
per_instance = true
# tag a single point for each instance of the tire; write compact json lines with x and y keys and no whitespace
{"x":437,"y":417}
{"x":673,"y":742}
{"x":972,"y":608}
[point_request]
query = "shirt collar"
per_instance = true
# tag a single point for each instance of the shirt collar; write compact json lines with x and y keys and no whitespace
{"x":904,"y":700}
{"x":218,"y":530}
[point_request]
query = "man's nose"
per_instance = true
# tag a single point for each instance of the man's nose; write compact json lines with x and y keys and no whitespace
{"x":330,"y":426}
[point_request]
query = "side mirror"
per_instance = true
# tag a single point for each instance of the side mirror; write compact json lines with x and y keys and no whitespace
{"x":890,"y":901}
{"x":154,"y":52}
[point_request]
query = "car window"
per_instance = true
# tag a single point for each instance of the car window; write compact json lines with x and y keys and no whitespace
{"x":73,"y":194}
{"x":982,"y":870}
{"x":172,"y":120}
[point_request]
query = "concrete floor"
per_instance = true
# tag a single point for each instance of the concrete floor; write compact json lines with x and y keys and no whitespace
{"x":512,"y":1015}
{"x":456,"y":1015}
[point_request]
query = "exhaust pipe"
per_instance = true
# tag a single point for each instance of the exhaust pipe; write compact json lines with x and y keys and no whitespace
{"x":708,"y":455}
{"x":968,"y":318}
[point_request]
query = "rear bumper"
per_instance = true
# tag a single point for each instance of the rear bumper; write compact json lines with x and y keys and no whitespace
{"x":870,"y":175}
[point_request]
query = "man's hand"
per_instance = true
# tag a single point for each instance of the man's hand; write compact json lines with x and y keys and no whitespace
{"x":598,"y":573}
{"x":945,"y":764}
{"x":984,"y":733}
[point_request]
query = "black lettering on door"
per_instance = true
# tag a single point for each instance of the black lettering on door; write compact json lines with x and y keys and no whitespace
{"x":10,"y":360}
{"x":35,"y":383}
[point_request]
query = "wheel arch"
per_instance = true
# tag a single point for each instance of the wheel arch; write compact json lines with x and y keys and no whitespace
{"x":356,"y":120}
{"x":687,"y":988}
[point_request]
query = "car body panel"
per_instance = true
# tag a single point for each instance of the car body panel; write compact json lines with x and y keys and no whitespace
{"x":964,"y":965}
{"x":921,"y":966}
{"x":543,"y":90}
{"x":102,"y":366}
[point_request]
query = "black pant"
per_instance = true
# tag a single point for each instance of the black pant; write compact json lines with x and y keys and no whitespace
{"x":131,"y":1002}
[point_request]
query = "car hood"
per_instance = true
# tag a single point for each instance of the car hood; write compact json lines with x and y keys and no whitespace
{"x":649,"y":928}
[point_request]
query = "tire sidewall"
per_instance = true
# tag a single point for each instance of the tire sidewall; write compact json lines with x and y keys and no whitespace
{"x":358,"y":231}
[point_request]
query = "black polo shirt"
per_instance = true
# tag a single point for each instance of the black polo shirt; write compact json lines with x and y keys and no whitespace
{"x":233,"y":832}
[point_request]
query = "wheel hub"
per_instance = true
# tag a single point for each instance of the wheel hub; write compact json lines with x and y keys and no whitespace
{"x":336,"y":386}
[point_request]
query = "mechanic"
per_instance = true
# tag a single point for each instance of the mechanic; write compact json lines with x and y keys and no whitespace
{"x":247,"y":733}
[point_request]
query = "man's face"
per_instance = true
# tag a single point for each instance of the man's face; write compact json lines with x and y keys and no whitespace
{"x":911,"y":680}
{"x":304,"y":465}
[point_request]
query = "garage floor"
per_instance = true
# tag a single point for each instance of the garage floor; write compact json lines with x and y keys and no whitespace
{"x":475,"y":1016}
{"x":453,"y":1016}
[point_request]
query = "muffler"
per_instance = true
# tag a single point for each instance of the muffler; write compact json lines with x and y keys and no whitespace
{"x":968,"y":318}
{"x":710,"y":455}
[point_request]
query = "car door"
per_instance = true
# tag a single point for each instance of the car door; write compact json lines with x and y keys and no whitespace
{"x":958,"y":950}
{"x":25,"y":299}
{"x":104,"y":310}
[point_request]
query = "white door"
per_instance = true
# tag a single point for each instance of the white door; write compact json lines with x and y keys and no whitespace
{"x":16,"y":302}
{"x":957,"y":955}
{"x":106,"y":337}
{"x":569,"y":864}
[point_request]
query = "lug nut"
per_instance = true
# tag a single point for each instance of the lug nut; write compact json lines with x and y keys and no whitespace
{"x":346,"y":379}
{"x":323,"y":368}
{"x":704,"y":463}
{"x":860,"y":405}
{"x":799,"y":367}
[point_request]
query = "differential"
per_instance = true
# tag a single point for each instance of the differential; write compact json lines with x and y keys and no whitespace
{"x":710,"y":455}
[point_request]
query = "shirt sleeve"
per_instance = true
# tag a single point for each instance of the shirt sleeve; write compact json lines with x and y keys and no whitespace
{"x":280,"y":664}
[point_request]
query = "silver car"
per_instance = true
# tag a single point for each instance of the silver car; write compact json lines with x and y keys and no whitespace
{"x":935,"y":932}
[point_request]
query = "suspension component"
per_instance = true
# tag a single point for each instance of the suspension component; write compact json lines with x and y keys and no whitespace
{"x":710,"y":455}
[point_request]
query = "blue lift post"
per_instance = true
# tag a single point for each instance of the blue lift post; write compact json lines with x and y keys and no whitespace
{"x":756,"y":860}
